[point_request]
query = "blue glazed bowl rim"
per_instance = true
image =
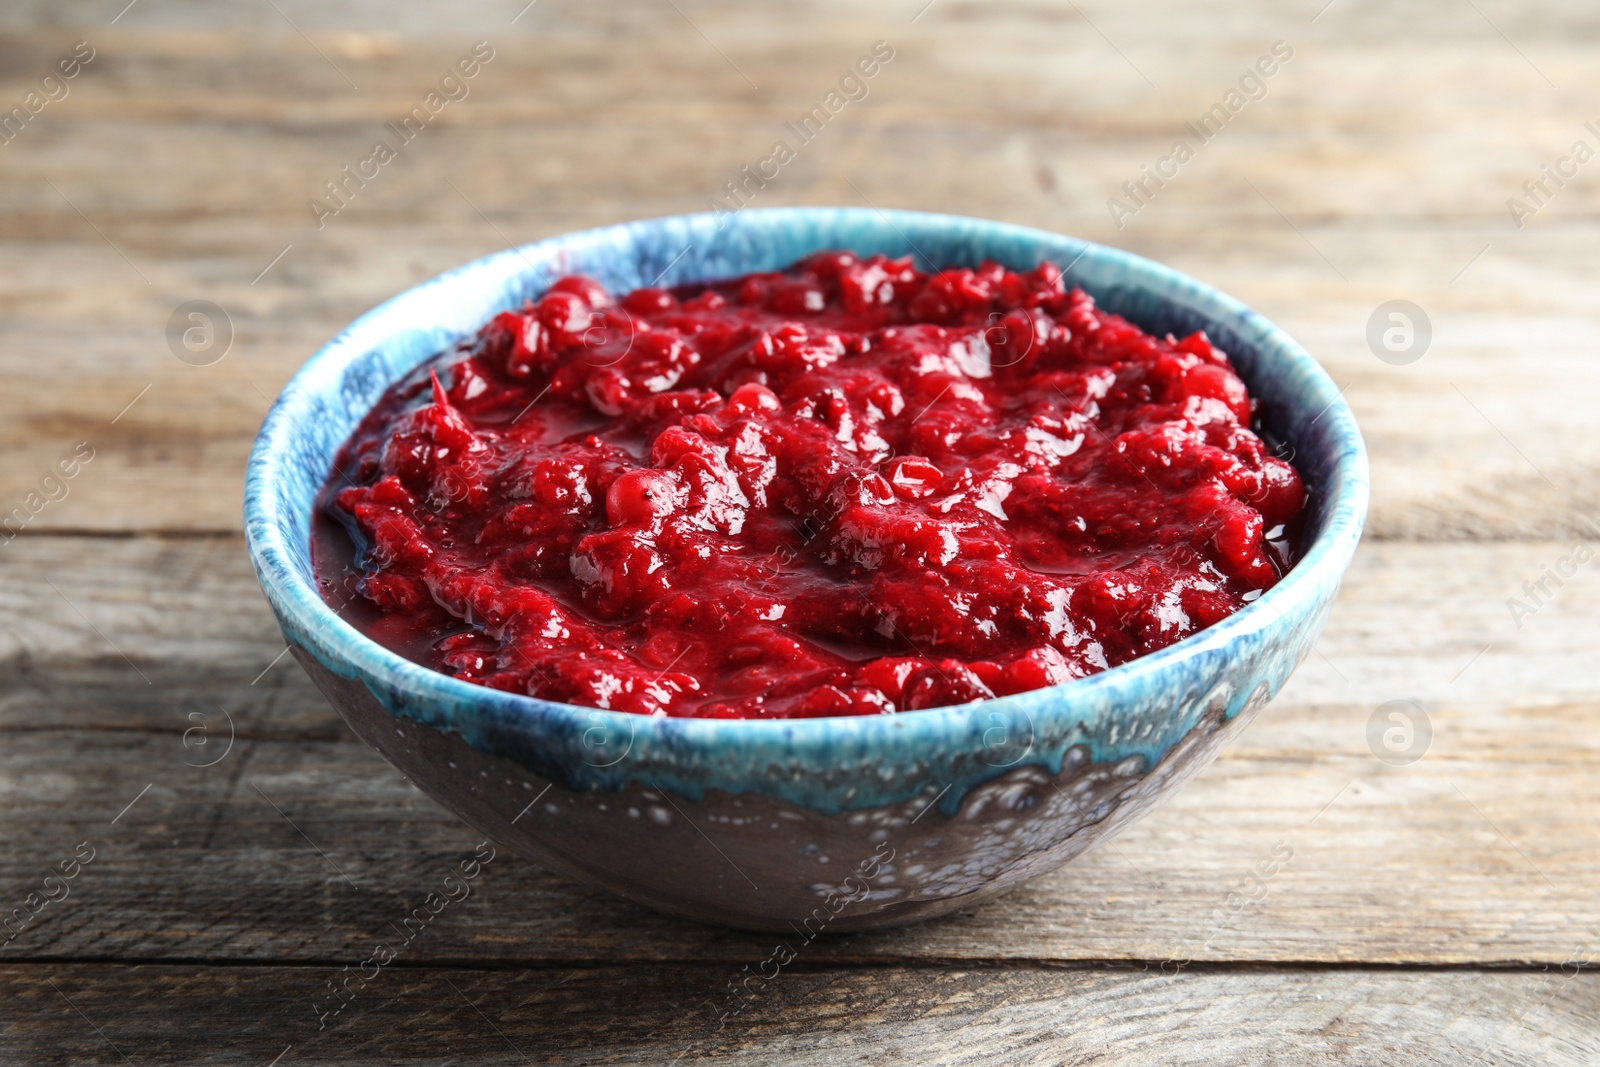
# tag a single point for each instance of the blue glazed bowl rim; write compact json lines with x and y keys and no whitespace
{"x":469,"y":708}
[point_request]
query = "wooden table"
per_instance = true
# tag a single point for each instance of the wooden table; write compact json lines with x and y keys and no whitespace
{"x":1441,"y":911}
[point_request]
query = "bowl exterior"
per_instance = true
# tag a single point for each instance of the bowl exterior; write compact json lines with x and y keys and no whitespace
{"x":757,"y":862}
{"x":802,"y":826}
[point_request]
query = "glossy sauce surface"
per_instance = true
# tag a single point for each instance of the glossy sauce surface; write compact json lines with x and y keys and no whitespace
{"x":847,"y":488}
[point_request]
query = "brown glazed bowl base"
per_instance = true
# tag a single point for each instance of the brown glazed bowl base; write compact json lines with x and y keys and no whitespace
{"x":730,"y":860}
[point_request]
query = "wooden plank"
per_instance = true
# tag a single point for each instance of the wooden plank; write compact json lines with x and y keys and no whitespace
{"x":1460,"y":860}
{"x":656,"y":1015}
{"x":1459,"y":857}
{"x":181,"y":164}
{"x":1442,"y":468}
{"x":1463,"y":441}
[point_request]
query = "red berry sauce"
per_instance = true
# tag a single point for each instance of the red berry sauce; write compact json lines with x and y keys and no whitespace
{"x":843,"y":489}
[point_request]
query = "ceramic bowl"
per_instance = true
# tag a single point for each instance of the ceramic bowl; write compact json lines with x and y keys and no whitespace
{"x":821,"y":824}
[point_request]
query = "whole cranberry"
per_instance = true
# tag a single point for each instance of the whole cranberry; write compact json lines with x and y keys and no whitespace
{"x":639,"y":497}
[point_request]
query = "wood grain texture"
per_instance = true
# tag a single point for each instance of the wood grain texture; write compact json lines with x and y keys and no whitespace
{"x":1320,"y":201}
{"x":1031,"y":1017}
{"x":249,"y":860}
{"x":1428,"y":910}
{"x":1483,"y":850}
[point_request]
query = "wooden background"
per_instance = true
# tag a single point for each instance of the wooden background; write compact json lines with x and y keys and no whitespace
{"x":1445,"y":911}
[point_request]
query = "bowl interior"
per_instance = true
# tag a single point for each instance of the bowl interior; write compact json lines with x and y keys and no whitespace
{"x":341,"y":384}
